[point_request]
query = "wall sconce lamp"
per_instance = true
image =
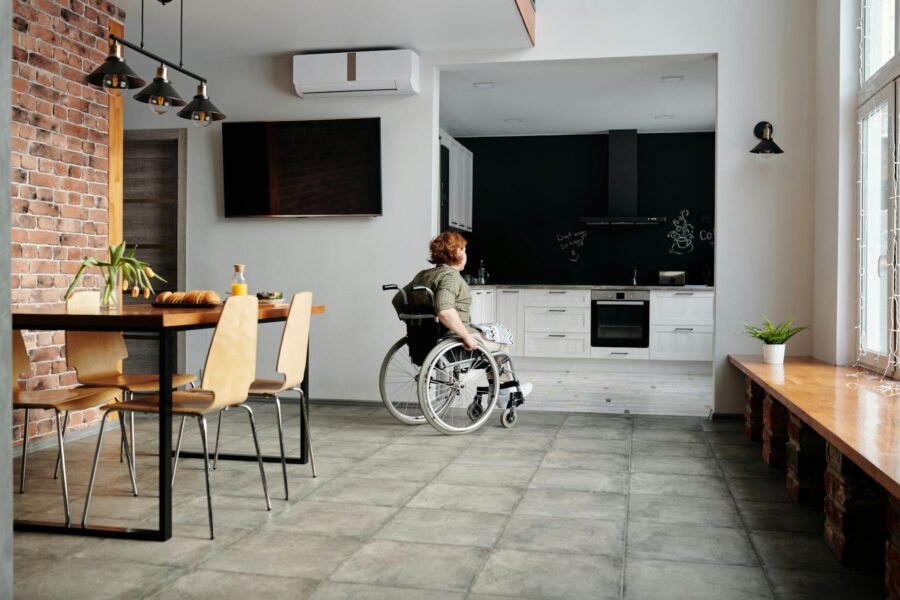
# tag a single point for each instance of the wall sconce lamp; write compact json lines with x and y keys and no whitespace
{"x":763,"y":132}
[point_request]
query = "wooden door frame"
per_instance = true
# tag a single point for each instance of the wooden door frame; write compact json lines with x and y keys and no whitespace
{"x":178,"y":135}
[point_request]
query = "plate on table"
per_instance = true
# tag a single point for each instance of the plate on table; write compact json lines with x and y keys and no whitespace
{"x":271,"y":301}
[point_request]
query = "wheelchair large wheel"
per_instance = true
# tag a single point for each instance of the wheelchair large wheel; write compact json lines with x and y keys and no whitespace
{"x":398,"y":382}
{"x":458,"y":388}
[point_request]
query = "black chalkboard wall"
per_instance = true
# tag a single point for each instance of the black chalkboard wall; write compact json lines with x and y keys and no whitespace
{"x":530,"y":192}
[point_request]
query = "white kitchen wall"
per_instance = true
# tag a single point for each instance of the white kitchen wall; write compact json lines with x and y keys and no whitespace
{"x":764,"y":248}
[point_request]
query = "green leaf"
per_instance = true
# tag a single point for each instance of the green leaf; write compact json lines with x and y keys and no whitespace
{"x":771,"y":333}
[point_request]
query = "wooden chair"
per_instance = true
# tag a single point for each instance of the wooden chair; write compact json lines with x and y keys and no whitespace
{"x":291,"y":366}
{"x":227,"y":376}
{"x":59,"y":401}
{"x":97,"y":359}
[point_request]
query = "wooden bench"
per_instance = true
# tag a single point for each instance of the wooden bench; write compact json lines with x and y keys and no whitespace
{"x":837,"y":431}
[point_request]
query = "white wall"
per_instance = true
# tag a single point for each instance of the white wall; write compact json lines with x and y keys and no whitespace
{"x":837,"y":76}
{"x":766,"y":56}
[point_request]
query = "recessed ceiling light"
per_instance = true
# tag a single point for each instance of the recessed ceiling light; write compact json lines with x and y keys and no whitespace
{"x":672,"y":79}
{"x":512,"y":121}
{"x":664,"y":117}
{"x":483,"y":85}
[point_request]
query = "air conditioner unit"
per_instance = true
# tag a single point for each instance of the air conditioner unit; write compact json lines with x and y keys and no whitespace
{"x":374,"y":73}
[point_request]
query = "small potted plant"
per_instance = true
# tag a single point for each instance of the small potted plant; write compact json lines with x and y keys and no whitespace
{"x":773,"y":338}
{"x":123,"y":272}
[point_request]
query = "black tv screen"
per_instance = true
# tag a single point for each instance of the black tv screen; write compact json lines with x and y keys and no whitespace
{"x":302,"y":168}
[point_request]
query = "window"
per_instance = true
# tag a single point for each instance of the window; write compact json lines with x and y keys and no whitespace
{"x":879,"y":35}
{"x":875,"y":215}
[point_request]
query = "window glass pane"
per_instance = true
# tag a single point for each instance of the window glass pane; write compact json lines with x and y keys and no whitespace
{"x":876,"y":184}
{"x":878,"y":21}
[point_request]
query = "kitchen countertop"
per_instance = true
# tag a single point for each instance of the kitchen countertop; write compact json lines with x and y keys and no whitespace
{"x":546,"y":286}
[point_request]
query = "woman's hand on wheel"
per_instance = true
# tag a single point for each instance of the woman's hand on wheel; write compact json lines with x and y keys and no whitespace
{"x":469,"y":342}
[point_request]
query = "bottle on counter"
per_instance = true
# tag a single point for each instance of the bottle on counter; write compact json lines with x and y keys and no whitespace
{"x":238,"y":282}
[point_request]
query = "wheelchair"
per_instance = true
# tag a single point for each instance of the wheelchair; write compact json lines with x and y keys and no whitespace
{"x":429,"y":376}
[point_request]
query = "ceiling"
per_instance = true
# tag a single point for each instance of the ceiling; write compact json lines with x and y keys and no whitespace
{"x":581,"y":96}
{"x":221,"y":29}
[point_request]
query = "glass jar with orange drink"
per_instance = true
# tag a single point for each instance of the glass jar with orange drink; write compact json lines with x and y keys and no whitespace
{"x":238,"y":282}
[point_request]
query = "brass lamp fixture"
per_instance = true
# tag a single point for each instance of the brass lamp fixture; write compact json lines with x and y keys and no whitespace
{"x":115,"y":77}
{"x":763,"y":132}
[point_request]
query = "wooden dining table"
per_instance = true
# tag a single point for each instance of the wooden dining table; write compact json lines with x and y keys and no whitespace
{"x":165,"y":323}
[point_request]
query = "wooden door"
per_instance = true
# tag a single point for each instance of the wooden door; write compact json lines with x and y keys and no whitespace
{"x":154,"y":219}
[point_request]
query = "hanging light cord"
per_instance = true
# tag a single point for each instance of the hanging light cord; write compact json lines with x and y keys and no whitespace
{"x":180,"y":37}
{"x":142,"y":23}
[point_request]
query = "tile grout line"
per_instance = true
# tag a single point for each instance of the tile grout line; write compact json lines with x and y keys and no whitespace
{"x":740,"y":515}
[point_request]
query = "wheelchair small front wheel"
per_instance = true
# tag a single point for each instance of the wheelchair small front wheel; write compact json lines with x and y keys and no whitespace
{"x":398,"y":382}
{"x":453,"y":382}
{"x":508,"y":417}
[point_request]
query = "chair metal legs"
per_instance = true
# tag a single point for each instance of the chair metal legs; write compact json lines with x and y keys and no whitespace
{"x":201,"y":421}
{"x":262,"y":471}
{"x":281,"y":444}
{"x":62,"y":471}
{"x":218,"y":433}
{"x":65,"y":428}
{"x":87,"y":500}
{"x":306,"y":438}
{"x":24,"y":454}
{"x":177,"y":450}
{"x":128,"y":455}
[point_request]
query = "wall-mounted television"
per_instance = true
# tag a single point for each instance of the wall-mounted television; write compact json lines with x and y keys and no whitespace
{"x":321,"y":168}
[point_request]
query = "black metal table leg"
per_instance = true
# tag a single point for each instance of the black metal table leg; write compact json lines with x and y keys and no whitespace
{"x":166,"y":360}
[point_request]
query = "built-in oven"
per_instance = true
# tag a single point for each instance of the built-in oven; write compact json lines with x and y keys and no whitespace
{"x":620,"y":318}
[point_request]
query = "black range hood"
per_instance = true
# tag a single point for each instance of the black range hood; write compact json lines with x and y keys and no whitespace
{"x":623,"y":196}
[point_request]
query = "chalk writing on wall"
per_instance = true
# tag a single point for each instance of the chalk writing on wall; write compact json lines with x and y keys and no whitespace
{"x":571,"y":242}
{"x":682,"y":234}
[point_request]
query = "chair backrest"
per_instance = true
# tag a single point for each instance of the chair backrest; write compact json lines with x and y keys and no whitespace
{"x":295,"y":340}
{"x":93,"y":353}
{"x":21,"y":363}
{"x":231,"y":362}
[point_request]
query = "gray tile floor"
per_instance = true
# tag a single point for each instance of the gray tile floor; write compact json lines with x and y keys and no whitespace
{"x":566,"y":505}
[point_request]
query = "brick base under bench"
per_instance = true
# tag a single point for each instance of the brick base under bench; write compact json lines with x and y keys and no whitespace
{"x":836,"y":433}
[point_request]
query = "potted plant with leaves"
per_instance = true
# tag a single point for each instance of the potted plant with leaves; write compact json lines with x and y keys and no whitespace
{"x":773,"y":338}
{"x":122,"y":272}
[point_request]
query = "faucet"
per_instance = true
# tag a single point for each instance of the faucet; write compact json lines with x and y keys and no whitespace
{"x":633,"y":275}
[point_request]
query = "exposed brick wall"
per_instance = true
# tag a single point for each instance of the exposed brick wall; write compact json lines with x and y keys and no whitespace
{"x":59,"y":169}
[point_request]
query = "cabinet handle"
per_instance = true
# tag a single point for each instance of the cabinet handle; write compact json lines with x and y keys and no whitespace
{"x":557,"y":335}
{"x":552,"y":292}
{"x":618,"y":353}
{"x":556,"y":310}
{"x":683,"y":329}
{"x":684,"y":293}
{"x":509,"y":291}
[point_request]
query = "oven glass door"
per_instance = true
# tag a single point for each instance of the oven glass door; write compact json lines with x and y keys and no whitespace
{"x":620,"y":323}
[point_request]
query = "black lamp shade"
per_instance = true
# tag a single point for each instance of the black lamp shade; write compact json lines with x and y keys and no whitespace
{"x":763,"y":131}
{"x":160,"y":86}
{"x":115,"y":65}
{"x":201,"y":104}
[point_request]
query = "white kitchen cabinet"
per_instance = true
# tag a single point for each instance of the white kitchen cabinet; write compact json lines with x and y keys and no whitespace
{"x":459,"y":194}
{"x":678,"y":342}
{"x":510,"y":313}
{"x":681,"y":325}
{"x":557,"y":345}
{"x":482,"y":309}
{"x":681,"y":307}
{"x":558,"y":298}
{"x":557,"y":320}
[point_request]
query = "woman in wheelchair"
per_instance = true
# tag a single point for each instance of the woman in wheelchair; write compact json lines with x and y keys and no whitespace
{"x":460,"y":379}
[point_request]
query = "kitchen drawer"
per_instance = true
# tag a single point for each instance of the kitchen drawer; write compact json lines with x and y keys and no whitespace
{"x":558,"y":298}
{"x":681,"y":308}
{"x":621,"y":353}
{"x":672,"y":342}
{"x":558,"y":345}
{"x":558,"y":320}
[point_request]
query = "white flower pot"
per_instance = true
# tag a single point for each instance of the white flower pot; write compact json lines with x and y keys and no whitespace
{"x":773,"y":354}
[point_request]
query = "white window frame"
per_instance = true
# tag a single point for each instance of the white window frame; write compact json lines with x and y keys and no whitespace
{"x":885,"y":72}
{"x":880,"y":362}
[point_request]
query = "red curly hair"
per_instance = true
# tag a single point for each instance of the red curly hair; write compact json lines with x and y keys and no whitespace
{"x":445,"y":248}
